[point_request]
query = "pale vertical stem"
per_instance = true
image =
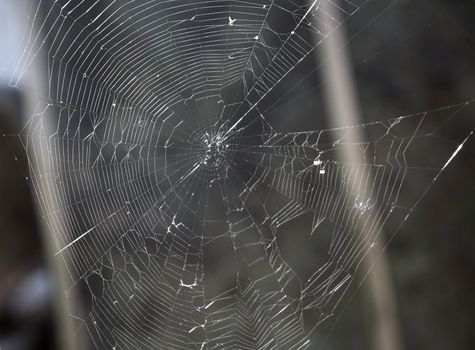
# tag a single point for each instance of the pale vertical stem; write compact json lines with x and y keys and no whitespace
{"x":35,"y":80}
{"x":343,"y":110}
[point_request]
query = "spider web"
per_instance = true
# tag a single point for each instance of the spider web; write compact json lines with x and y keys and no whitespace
{"x":172,"y":191}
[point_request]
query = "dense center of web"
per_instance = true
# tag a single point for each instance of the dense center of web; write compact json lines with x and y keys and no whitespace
{"x":214,"y":149}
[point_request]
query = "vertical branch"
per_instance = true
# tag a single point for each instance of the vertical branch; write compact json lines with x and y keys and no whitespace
{"x":342,"y":107}
{"x":35,"y":79}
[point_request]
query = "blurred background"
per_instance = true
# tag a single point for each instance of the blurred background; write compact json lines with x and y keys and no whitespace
{"x":414,"y":56}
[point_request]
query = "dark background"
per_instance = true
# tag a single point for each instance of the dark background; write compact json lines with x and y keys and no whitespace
{"x":417,"y":56}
